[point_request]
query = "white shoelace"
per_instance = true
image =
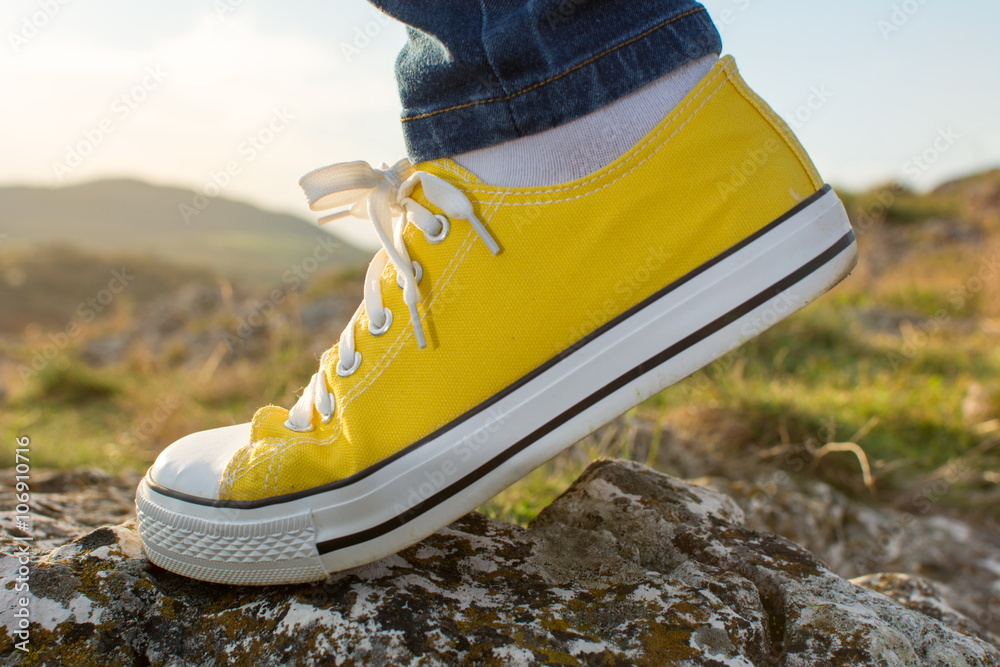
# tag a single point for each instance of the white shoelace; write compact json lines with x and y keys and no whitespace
{"x":382,"y":196}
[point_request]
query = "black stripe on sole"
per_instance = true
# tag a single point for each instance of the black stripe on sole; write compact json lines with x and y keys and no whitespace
{"x":493,"y":400}
{"x":692,"y":339}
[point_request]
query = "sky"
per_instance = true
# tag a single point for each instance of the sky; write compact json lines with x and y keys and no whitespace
{"x":250,"y":94}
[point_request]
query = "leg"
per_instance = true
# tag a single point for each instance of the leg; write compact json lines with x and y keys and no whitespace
{"x":475,"y":74}
{"x":502,"y":324}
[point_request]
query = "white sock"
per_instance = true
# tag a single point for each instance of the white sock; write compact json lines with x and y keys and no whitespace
{"x":584,"y":145}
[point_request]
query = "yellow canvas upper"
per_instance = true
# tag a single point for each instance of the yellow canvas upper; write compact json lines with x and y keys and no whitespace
{"x":721,"y":166}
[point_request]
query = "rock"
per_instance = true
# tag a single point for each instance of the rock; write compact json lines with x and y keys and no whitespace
{"x":105,"y":351}
{"x":628,"y":567}
{"x":67,"y":504}
{"x":926,"y":597}
{"x":854,"y":534}
{"x":856,"y":538}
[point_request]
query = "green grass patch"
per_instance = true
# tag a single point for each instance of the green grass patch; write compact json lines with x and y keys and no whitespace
{"x":891,"y":360}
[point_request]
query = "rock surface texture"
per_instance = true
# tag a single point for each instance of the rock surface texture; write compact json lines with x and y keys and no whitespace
{"x":628,"y":567}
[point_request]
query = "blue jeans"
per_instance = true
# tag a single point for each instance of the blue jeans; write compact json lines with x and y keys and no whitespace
{"x":475,"y":73}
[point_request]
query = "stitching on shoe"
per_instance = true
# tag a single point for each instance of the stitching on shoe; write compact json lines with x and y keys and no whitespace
{"x":273,"y":468}
{"x":277,"y":446}
{"x":459,"y":172}
{"x":499,"y":196}
{"x":379,"y":367}
{"x":608,"y":51}
{"x":449,"y":272}
{"x":783,"y":131}
{"x":634,"y":167}
{"x":707,"y":94}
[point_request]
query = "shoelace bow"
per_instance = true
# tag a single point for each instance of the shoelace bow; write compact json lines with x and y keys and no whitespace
{"x":382,"y":196}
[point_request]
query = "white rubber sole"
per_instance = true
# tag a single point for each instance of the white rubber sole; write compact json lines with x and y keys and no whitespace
{"x":306,"y":536}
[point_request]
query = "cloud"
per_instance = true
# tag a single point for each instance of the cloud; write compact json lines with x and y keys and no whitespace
{"x":222,"y":81}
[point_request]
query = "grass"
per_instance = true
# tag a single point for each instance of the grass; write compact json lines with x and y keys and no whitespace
{"x":888,"y":361}
{"x":797,"y":384}
{"x":891,"y":361}
{"x":119,"y":418}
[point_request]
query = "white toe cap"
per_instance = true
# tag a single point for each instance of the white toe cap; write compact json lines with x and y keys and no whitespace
{"x":194,"y":464}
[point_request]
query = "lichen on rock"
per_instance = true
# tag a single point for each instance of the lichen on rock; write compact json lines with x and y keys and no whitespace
{"x":628,"y":567}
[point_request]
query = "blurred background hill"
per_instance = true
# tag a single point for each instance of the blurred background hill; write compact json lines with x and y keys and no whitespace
{"x":866,"y":426}
{"x":60,"y":246}
{"x":180,"y":226}
{"x":901,"y":360}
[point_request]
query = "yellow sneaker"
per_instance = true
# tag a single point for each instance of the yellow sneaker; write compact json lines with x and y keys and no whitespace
{"x":499,"y":326}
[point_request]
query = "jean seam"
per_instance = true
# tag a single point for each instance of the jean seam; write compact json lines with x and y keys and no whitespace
{"x":493,"y":69}
{"x":556,"y":77}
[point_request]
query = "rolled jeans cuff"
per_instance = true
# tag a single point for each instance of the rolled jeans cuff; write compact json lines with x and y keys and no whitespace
{"x":517,"y":108}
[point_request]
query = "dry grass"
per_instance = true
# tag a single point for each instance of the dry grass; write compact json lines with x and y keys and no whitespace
{"x":901,"y":361}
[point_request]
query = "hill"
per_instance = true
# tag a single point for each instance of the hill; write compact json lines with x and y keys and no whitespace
{"x":230,"y":238}
{"x":54,"y":286}
{"x":977,"y":196}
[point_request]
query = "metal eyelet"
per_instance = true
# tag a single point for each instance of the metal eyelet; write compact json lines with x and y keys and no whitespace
{"x":378,"y":331}
{"x":442,"y":233}
{"x":291,"y":427}
{"x":418,"y":274}
{"x":333,"y":402}
{"x":344,"y":372}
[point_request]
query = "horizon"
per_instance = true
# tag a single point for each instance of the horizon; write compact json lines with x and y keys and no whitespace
{"x":372,"y":244}
{"x":171,"y":95}
{"x":926,"y":188}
